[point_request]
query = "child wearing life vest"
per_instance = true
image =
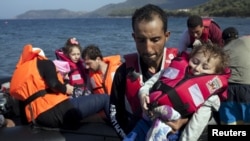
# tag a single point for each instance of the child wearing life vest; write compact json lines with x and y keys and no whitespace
{"x":77,"y":76}
{"x":179,"y":91}
{"x":44,"y":95}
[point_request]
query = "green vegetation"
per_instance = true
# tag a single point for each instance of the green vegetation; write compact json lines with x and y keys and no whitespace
{"x":214,"y":8}
{"x":218,"y":8}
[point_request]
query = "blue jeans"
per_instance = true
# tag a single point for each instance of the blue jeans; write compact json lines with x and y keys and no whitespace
{"x":91,"y":104}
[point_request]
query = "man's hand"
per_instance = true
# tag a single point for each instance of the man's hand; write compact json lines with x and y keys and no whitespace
{"x":69,"y":89}
{"x":144,"y":100}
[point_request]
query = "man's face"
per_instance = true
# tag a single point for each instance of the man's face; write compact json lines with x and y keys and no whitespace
{"x":92,"y":65}
{"x":150,"y":40}
{"x":196,"y":32}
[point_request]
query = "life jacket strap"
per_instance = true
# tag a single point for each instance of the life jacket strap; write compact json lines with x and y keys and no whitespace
{"x":177,"y":103}
{"x":34,"y":96}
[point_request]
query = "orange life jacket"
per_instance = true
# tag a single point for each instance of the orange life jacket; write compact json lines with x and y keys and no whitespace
{"x":102,"y":85}
{"x":27,"y":82}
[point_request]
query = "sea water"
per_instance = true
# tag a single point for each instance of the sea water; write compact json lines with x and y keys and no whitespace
{"x":112,"y":35}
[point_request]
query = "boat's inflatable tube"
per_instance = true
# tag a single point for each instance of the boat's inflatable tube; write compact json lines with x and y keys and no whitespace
{"x":92,"y":128}
{"x":88,"y":132}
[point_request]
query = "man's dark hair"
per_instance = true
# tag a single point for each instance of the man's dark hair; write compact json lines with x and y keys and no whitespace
{"x":229,"y":34}
{"x":92,"y":52}
{"x":147,"y":13}
{"x":193,"y":21}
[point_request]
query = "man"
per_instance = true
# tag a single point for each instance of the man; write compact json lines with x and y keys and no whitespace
{"x":46,"y":97}
{"x":101,"y":69}
{"x":200,"y":30}
{"x":235,"y":111}
{"x":229,"y":34}
{"x":149,"y":24}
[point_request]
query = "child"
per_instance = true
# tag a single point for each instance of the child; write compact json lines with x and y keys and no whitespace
{"x":71,"y":53}
{"x":183,"y":87}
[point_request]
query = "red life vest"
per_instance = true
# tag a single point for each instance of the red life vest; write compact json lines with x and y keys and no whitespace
{"x":185,"y":93}
{"x":77,"y":74}
{"x":205,"y":33}
{"x":134,"y":78}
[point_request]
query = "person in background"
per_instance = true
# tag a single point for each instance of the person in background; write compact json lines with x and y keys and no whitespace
{"x":101,"y":69}
{"x":5,"y":122}
{"x":236,"y":110}
{"x":36,"y":83}
{"x":200,"y":30}
{"x":204,"y":67}
{"x":229,"y":34}
{"x":71,"y":53}
{"x":150,"y":33}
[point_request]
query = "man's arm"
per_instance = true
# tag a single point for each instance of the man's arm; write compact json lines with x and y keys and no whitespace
{"x":144,"y":90}
{"x":117,"y":112}
{"x":48,"y":71}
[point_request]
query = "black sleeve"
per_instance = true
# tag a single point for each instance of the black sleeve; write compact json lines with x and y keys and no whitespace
{"x":118,"y":116}
{"x":48,"y":71}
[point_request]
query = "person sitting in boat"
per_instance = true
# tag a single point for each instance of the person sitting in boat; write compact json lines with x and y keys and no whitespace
{"x":203,"y":76}
{"x":71,"y":53}
{"x":101,"y":69}
{"x":229,"y":34}
{"x":235,"y":111}
{"x":37,"y":84}
{"x":200,"y":30}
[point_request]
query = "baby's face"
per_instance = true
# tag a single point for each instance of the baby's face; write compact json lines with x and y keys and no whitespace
{"x":202,"y":63}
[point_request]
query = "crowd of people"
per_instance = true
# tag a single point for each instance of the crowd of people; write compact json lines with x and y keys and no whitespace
{"x":156,"y":93}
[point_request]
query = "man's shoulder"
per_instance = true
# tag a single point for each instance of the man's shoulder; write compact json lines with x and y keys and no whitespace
{"x":214,"y":25}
